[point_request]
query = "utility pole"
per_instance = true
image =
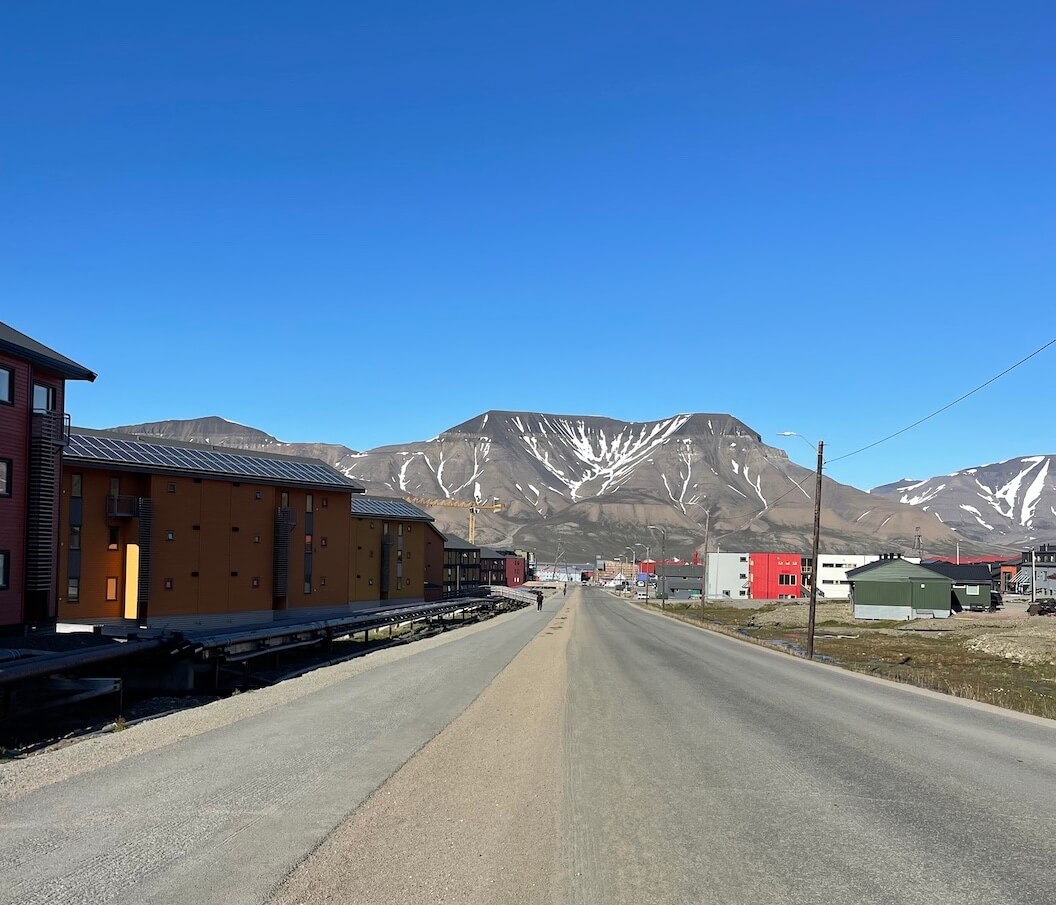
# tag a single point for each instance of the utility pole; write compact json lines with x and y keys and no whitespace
{"x":1033,"y":576}
{"x":661,"y":585}
{"x":814,"y":554}
{"x":704,"y":571}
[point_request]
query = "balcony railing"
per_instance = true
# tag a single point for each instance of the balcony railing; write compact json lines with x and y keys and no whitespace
{"x":122,"y":507}
{"x":54,"y":427}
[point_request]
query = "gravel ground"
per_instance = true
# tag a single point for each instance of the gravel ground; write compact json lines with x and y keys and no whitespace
{"x":473,"y":818}
{"x":21,"y":776}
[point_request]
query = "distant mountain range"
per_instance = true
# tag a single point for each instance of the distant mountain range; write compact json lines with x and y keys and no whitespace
{"x":1011,"y":503}
{"x":578,"y":486}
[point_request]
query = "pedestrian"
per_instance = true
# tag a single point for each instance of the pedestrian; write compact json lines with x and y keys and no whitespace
{"x":564,"y":590}
{"x":539,"y":600}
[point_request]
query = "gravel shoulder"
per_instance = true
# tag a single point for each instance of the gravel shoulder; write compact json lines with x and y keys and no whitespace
{"x":85,"y":755}
{"x":474,"y":816}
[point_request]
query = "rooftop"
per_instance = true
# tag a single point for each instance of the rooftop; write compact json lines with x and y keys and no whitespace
{"x":381,"y":506}
{"x":127,"y":451}
{"x":22,"y":346}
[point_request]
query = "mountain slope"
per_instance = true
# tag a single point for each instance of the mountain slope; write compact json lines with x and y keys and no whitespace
{"x":578,"y":486}
{"x":218,"y":431}
{"x":582,"y":485}
{"x":1011,"y":503}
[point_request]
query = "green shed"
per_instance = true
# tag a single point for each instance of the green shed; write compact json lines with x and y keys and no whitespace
{"x":894,"y":588}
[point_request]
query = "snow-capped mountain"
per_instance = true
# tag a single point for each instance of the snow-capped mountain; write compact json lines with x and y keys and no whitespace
{"x":577,"y":486}
{"x":588,"y":485}
{"x":1011,"y":503}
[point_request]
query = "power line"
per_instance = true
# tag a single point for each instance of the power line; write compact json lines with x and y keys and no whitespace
{"x":947,"y":406}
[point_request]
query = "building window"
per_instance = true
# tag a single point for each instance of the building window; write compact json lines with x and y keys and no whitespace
{"x":170,"y":535}
{"x":322,"y":542}
{"x":114,"y":539}
{"x":309,"y":502}
{"x":75,"y":537}
{"x":284,"y":500}
{"x":308,"y":586}
{"x":743,"y":575}
{"x":76,"y":486}
{"x":256,"y":538}
{"x":43,"y":398}
{"x":7,"y":386}
{"x":5,"y":477}
{"x":370,"y":581}
{"x":171,"y":488}
{"x":325,"y":502}
{"x":258,"y":495}
{"x":73,"y":590}
{"x":5,"y":568}
{"x":256,"y":582}
{"x":786,"y":579}
{"x":115,"y":487}
{"x":111,"y":589}
{"x":322,"y":582}
{"x":168,"y":584}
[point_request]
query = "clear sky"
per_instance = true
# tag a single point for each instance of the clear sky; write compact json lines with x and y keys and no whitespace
{"x":365,"y":223}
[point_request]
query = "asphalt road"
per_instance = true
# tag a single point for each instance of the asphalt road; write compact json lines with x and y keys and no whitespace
{"x":678,"y":766}
{"x":222,"y":817}
{"x":703,"y":769}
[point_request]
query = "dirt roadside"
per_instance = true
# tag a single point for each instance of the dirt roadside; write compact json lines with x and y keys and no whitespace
{"x":474,"y":816}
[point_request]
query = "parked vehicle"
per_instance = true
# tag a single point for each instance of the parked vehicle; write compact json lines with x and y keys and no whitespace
{"x":640,"y":595}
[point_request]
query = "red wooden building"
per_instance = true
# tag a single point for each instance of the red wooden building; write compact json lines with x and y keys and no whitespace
{"x":33,"y":430}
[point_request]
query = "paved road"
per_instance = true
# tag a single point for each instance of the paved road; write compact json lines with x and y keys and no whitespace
{"x":222,"y":817}
{"x":702,"y":769}
{"x":677,"y":766}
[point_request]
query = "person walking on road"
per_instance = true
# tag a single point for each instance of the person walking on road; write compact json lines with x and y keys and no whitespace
{"x":539,"y":600}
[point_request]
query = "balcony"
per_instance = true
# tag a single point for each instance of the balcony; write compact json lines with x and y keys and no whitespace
{"x":122,"y":507}
{"x":52,"y":427}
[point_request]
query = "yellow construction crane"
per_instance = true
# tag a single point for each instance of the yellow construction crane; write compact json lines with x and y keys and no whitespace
{"x":473,"y":507}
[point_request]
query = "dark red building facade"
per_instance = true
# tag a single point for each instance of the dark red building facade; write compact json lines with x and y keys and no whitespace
{"x":502,"y":567}
{"x":33,"y":430}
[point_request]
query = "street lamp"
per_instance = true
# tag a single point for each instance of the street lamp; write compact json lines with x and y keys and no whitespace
{"x":661,"y":585}
{"x":817,"y":532}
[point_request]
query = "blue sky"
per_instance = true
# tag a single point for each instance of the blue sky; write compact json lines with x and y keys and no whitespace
{"x":367,"y":223}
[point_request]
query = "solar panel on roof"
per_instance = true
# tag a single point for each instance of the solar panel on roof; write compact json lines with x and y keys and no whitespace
{"x":365,"y":505}
{"x":138,"y":452}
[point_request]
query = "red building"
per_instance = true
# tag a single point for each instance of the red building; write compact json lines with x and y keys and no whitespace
{"x":775,"y":576}
{"x":33,"y":430}
{"x":501,"y":567}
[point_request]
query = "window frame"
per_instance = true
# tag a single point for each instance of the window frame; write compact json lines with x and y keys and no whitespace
{"x":50,"y":392}
{"x":9,"y":477}
{"x":5,"y":570}
{"x":10,"y":400}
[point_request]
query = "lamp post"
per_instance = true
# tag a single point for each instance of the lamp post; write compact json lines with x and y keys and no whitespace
{"x":817,"y":533}
{"x":661,"y":584}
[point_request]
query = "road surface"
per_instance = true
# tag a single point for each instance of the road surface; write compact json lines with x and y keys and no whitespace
{"x":595,"y":753}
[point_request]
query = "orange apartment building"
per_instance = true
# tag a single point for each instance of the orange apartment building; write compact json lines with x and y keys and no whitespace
{"x":158,"y":532}
{"x":184,"y":535}
{"x":391,"y":547}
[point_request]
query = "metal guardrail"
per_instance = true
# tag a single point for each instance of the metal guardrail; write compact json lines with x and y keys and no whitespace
{"x":239,"y":645}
